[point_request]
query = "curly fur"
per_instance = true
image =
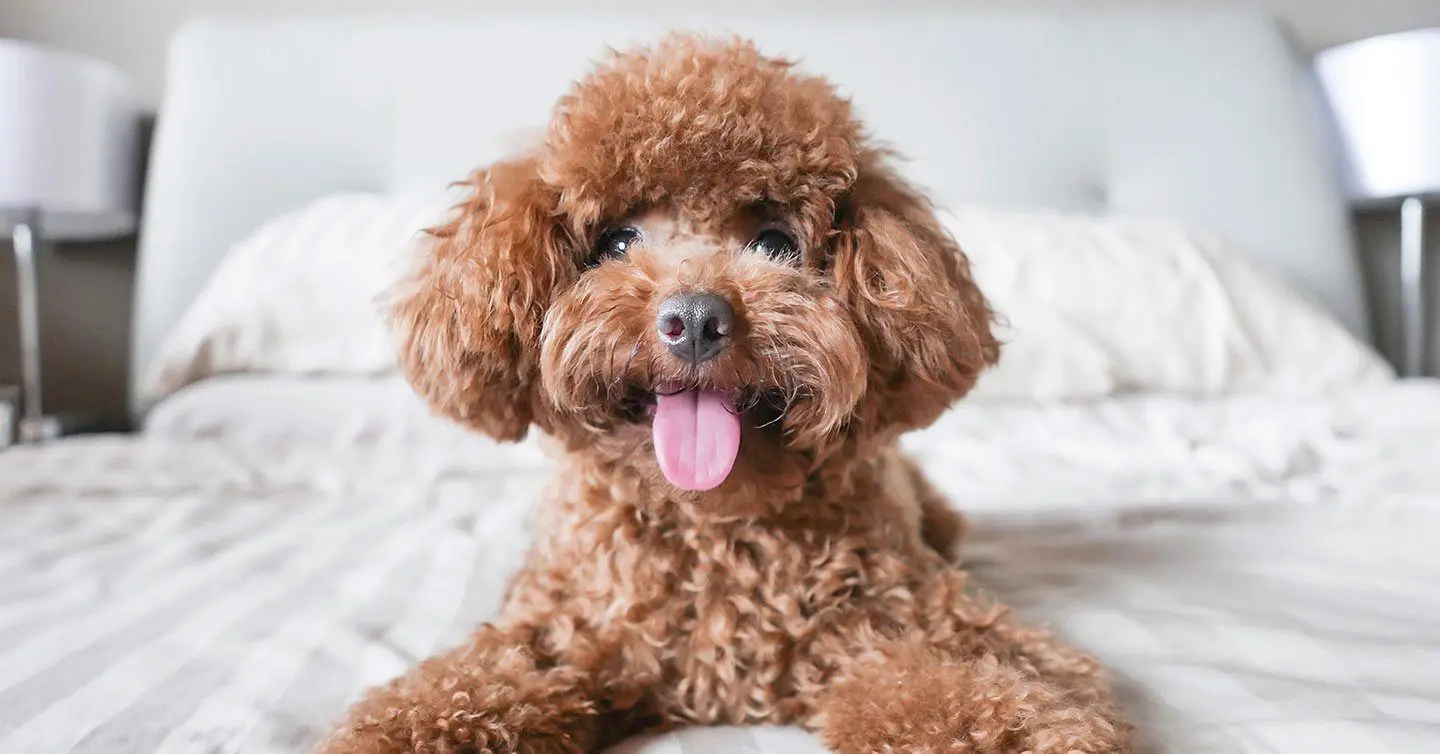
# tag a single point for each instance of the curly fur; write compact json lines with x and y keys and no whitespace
{"x":816,"y":585}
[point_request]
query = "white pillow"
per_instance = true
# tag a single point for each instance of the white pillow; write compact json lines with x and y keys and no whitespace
{"x":1093,"y":306}
{"x":1096,"y":306}
{"x":300,"y":295}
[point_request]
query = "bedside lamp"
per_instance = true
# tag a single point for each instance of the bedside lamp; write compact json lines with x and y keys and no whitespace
{"x":69,"y":148}
{"x":1385,"y":94}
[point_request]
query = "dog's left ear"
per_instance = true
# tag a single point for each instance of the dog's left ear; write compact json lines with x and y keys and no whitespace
{"x":908,"y":286}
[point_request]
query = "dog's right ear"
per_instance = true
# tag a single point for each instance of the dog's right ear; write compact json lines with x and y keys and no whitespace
{"x":469,"y":317}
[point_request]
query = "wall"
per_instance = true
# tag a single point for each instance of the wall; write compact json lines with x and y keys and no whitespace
{"x":86,"y":289}
{"x":132,"y":33}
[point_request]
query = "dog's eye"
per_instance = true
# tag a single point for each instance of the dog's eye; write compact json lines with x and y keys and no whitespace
{"x":775,"y":243}
{"x":615,"y":243}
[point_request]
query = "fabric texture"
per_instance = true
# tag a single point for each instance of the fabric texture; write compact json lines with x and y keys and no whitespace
{"x":1258,"y":573}
{"x":302,"y":294}
{"x":1096,"y":306}
{"x":334,"y":410}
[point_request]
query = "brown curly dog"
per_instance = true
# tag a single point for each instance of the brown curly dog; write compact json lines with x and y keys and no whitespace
{"x":710,"y":290}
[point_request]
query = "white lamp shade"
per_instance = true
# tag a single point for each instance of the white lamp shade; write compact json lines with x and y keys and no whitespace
{"x":69,"y":143}
{"x":1385,"y":94}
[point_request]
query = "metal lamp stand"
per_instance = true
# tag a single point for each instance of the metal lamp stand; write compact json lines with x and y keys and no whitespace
{"x":1412,"y":285}
{"x":33,"y":426}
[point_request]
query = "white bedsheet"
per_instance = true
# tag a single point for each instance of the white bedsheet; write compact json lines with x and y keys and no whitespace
{"x":1259,"y":574}
{"x":332,"y":410}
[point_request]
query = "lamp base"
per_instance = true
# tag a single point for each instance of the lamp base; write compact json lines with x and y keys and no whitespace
{"x":1412,"y":286}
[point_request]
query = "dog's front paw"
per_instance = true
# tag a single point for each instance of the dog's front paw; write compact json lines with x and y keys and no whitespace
{"x":513,"y":729}
{"x":390,"y":733}
{"x":924,"y":703}
{"x":488,"y":698}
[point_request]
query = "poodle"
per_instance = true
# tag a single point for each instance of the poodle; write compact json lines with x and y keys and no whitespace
{"x":719,"y":301}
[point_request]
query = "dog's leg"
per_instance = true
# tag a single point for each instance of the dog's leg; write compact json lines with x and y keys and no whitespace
{"x":965,"y":685}
{"x":500,"y":693}
{"x":941,"y":526}
{"x":916,"y":699}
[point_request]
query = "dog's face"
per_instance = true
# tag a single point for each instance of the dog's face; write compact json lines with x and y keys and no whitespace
{"x":701,"y":330}
{"x":705,"y":270}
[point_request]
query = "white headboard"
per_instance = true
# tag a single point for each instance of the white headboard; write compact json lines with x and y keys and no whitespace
{"x":1206,"y":117}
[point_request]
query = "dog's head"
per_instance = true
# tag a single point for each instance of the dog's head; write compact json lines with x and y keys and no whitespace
{"x":706,"y":260}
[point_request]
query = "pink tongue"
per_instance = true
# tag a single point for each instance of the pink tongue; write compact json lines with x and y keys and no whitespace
{"x":697,"y":434}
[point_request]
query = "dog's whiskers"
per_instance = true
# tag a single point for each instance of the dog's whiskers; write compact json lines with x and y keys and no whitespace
{"x":790,"y":399}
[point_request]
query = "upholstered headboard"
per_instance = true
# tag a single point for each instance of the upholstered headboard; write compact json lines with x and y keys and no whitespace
{"x":1206,"y":117}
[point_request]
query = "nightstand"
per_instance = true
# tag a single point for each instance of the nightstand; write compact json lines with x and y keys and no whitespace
{"x":1413,"y":282}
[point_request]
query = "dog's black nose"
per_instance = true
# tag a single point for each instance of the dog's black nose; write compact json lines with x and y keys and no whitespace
{"x":696,"y":326}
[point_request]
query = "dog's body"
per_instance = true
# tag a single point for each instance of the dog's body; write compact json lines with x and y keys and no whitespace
{"x":725,"y":309}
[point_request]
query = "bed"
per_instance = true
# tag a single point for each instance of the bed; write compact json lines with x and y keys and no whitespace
{"x":1251,"y":552}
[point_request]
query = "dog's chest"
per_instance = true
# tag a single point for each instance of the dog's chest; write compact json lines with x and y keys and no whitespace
{"x":741,"y":615}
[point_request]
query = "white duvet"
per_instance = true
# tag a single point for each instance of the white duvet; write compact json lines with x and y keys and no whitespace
{"x":1261,"y":575}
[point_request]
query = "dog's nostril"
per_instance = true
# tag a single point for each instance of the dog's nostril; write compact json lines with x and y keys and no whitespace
{"x":695,"y":325}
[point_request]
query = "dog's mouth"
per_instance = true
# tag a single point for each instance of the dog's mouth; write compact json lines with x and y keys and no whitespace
{"x":696,"y":429}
